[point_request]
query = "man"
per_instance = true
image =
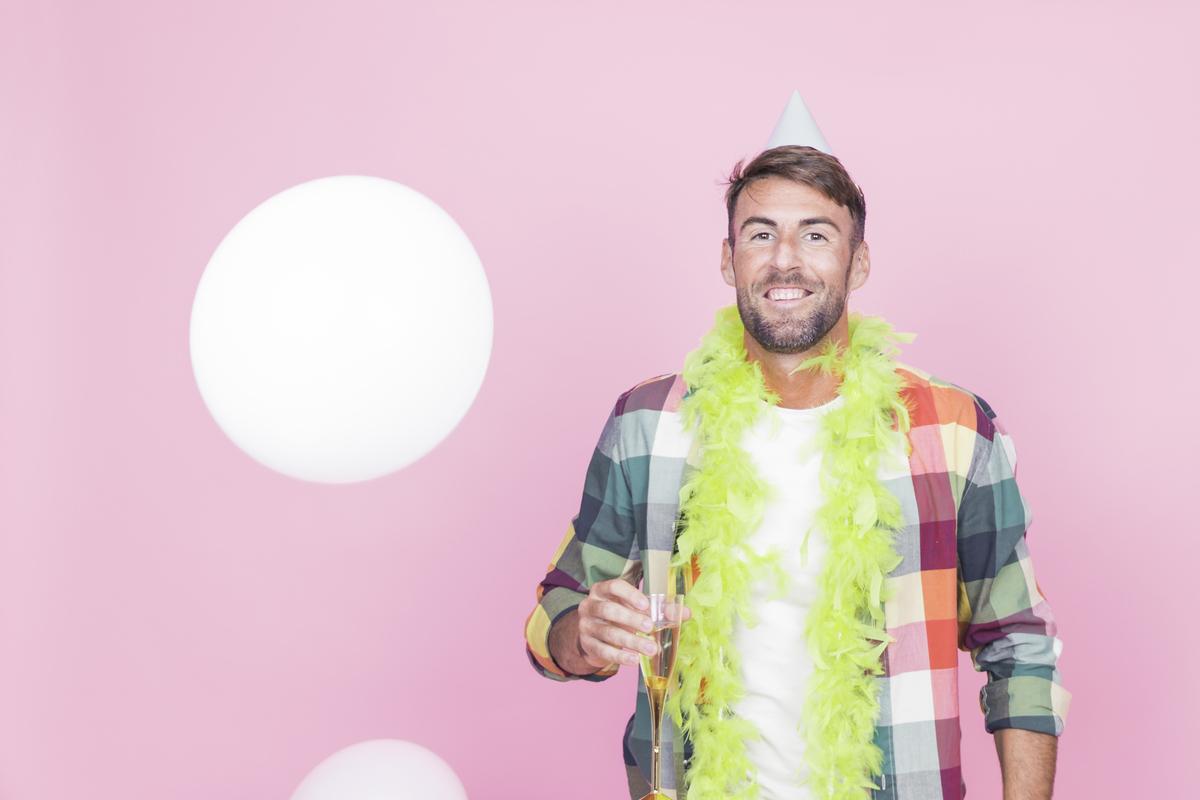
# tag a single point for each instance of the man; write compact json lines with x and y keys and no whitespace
{"x":836,"y":674}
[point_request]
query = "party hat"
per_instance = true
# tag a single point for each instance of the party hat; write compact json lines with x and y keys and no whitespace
{"x":796,"y":126}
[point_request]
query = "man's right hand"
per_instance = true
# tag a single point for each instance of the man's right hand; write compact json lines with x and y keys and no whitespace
{"x":609,"y":618}
{"x":602,"y":630}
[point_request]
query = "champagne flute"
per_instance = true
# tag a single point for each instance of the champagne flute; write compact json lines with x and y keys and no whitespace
{"x":666,"y":614}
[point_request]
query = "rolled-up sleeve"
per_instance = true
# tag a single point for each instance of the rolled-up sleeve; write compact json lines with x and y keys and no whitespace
{"x":600,"y":544}
{"x":1004,"y":618}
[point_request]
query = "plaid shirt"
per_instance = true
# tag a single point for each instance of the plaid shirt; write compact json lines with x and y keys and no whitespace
{"x":966,"y":581}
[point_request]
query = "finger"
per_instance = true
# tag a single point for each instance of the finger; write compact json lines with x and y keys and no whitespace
{"x":643,"y":644}
{"x":626,"y":593}
{"x":599,"y":608}
{"x":614,"y":613}
{"x":617,"y":637}
{"x":599,"y":651}
{"x":598,"y":611}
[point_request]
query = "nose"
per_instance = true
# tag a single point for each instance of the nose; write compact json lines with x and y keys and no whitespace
{"x":786,"y":254}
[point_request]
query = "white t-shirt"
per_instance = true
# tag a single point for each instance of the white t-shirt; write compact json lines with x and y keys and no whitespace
{"x":775,"y":662}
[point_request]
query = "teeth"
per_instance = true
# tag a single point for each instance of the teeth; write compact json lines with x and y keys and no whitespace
{"x":786,"y":294}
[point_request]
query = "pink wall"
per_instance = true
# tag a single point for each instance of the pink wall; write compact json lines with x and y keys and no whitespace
{"x":178,"y":622}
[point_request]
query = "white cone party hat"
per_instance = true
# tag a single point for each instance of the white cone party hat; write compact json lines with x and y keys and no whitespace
{"x":796,"y":126}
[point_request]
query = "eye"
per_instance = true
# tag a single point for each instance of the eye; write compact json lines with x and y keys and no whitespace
{"x":814,"y":233}
{"x":760,"y":233}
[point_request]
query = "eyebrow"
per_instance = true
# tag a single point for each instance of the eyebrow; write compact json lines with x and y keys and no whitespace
{"x":803,"y":223}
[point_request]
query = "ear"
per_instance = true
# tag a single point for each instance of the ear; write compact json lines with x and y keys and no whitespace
{"x":727,"y":263}
{"x":860,"y":266}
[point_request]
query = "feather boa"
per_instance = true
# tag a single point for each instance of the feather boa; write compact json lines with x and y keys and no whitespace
{"x":723,"y":502}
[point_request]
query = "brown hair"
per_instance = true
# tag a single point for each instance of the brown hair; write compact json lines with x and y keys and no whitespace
{"x":806,"y":165}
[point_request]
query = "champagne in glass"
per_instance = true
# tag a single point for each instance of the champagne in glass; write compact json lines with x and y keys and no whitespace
{"x":659,"y":669}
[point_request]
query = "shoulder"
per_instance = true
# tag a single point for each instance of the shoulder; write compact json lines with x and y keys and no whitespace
{"x":642,"y":414}
{"x":933,"y":400}
{"x":655,"y":394}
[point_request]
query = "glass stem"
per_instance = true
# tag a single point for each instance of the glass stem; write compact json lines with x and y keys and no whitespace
{"x":656,"y":737}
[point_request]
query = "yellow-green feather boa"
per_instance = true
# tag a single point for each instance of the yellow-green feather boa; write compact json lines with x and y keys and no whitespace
{"x":723,"y":502}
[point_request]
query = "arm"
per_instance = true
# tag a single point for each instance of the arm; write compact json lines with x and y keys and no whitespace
{"x":1005,"y":621}
{"x":600,"y":544}
{"x":1027,"y":761}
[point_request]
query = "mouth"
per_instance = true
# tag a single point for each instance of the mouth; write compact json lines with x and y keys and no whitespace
{"x":785,"y":296}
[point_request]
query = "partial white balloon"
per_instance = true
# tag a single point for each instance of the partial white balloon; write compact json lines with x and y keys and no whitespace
{"x":382,"y":769}
{"x":341,"y":329}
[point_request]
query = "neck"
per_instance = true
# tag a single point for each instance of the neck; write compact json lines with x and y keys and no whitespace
{"x":799,"y":388}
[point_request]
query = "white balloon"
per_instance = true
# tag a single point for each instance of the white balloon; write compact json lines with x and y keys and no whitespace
{"x":382,"y":769}
{"x":341,"y":329}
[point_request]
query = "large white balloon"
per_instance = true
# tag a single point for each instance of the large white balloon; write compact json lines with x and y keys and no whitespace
{"x":382,"y":769}
{"x":341,"y":329}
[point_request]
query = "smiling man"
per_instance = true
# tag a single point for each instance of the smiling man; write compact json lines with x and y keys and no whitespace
{"x":850,"y":522}
{"x":794,"y":256}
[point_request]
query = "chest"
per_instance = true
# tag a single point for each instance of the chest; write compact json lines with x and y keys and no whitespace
{"x":920,"y":474}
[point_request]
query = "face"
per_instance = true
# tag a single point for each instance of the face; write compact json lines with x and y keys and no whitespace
{"x":791,"y":263}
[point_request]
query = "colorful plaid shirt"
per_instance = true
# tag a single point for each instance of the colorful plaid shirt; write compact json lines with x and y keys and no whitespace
{"x":966,"y":581}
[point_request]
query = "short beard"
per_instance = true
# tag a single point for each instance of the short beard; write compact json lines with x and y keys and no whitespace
{"x":794,"y":335}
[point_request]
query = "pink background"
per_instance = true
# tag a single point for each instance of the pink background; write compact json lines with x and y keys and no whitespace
{"x":179,"y":622}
